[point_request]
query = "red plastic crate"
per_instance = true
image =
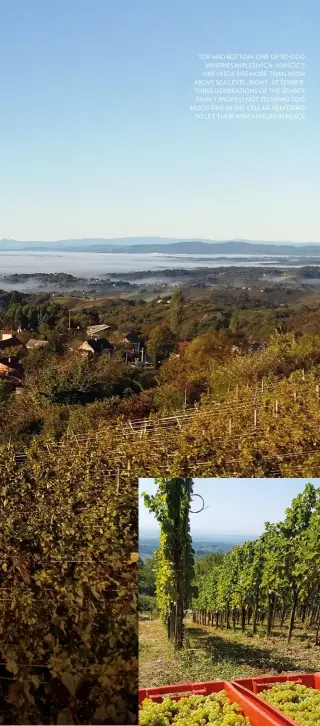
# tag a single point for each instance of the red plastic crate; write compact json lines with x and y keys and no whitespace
{"x":258,"y":715}
{"x":251,"y":687}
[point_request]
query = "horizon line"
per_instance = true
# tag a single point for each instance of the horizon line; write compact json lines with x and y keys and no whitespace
{"x":205,"y":240}
{"x":208,"y":534}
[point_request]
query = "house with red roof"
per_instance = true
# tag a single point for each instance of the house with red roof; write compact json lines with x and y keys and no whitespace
{"x":183,"y":344}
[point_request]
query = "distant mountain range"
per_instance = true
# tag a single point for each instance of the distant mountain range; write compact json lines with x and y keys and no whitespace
{"x":168,"y":246}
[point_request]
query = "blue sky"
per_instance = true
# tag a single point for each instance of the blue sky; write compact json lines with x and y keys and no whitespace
{"x":96,"y":136}
{"x":234,"y":506}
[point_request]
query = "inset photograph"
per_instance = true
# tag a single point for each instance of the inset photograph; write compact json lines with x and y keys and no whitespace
{"x":229,"y":616}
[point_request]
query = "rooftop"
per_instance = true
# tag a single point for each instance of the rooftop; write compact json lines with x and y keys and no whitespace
{"x":34,"y":343}
{"x":93,"y":329}
{"x":98,"y":345}
{"x":183,"y":343}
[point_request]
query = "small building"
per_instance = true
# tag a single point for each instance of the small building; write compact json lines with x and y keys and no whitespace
{"x":6,"y":370}
{"x":7,"y":334}
{"x":182,"y":344}
{"x":10,"y":340}
{"x":131,"y":337}
{"x":10,"y":360}
{"x":34,"y":344}
{"x":96,"y":346}
{"x":11,"y":371}
{"x":94,"y":330}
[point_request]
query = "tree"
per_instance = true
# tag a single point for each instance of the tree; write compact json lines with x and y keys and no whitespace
{"x":147,"y":576}
{"x":161,"y":343}
{"x":177,"y":311}
{"x":210,"y":347}
{"x":5,"y":392}
{"x":56,"y":342}
{"x":14,"y":314}
{"x":15,"y":351}
{"x":168,"y":399}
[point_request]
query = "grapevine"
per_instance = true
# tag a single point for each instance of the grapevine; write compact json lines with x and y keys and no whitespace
{"x":68,"y":589}
{"x":244,"y":437}
{"x":171,"y":506}
{"x":255,"y":431}
{"x":276,"y":576}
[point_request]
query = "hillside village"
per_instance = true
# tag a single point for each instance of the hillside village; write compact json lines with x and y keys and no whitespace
{"x":70,"y":365}
{"x":15,"y":346}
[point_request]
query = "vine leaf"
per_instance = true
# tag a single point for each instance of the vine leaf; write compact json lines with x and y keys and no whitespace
{"x":64,"y":717}
{"x":99,"y":715}
{"x":69,"y":681}
{"x":29,"y":695}
{"x":14,"y":693}
{"x":12,"y":666}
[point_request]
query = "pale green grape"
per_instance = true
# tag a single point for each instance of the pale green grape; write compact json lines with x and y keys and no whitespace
{"x":193,"y":711}
{"x":300,"y":703}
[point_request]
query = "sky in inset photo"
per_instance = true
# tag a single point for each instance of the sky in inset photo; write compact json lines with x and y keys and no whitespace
{"x":232,"y":506}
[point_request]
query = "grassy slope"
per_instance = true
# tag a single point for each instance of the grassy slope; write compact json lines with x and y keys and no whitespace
{"x":211,"y":654}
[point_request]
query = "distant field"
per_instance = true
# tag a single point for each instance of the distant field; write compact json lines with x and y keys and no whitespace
{"x":88,"y":300}
{"x":148,"y":545}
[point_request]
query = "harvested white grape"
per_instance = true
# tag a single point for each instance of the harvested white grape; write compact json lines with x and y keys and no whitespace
{"x":215,"y":709}
{"x":300,"y":703}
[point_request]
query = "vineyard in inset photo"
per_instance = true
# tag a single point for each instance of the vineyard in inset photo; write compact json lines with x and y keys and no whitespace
{"x":229,"y":573}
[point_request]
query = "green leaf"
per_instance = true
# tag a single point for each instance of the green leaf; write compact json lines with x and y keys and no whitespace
{"x":69,"y":681}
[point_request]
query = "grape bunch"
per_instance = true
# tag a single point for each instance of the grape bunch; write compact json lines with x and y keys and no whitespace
{"x":193,"y":711}
{"x":300,"y":703}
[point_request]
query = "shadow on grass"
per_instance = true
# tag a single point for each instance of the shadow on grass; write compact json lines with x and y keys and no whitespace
{"x":262,"y":658}
{"x":282,"y":635}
